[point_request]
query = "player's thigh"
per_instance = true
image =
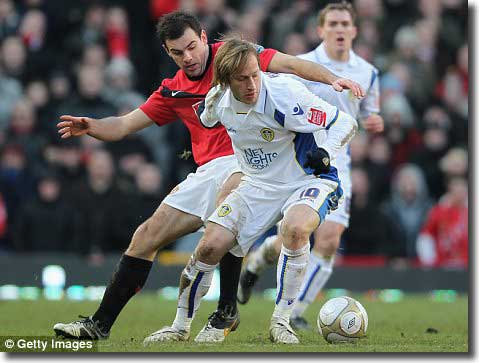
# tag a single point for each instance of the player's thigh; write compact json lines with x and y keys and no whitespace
{"x":229,"y":185}
{"x":327,"y":237}
{"x":215,"y":243}
{"x":197,"y":194}
{"x":165,"y":226}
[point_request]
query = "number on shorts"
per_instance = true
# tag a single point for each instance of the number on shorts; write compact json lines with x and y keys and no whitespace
{"x":309,"y":193}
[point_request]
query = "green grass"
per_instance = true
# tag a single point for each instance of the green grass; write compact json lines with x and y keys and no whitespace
{"x":393,"y":327}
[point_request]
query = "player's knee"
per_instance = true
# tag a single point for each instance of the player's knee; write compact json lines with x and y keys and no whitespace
{"x":295,"y":233}
{"x":208,"y":251}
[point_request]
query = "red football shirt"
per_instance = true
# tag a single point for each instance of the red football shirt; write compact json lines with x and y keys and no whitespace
{"x":448,"y":226}
{"x":176,"y":98}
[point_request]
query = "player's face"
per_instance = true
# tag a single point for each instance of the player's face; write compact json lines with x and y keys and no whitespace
{"x":190,"y":52}
{"x":338,"y":31}
{"x":245,"y":83}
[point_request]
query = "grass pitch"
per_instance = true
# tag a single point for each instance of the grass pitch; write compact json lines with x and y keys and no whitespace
{"x":415,"y":324}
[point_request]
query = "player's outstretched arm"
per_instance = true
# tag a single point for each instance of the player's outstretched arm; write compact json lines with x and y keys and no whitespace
{"x":284,"y":63}
{"x":106,"y":129}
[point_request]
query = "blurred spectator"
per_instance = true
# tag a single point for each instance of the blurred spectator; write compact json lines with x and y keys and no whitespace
{"x":10,"y":93}
{"x":99,"y":203}
{"x":16,"y":181}
{"x":435,"y":144}
{"x":119,"y":90}
{"x":117,"y":32}
{"x":443,"y":241}
{"x":406,"y":210}
{"x":454,"y":163}
{"x":9,"y":19}
{"x":294,"y":44}
{"x":454,"y":88}
{"x":94,"y":55}
{"x":22,"y":131}
{"x":89,"y":100}
{"x":13,"y":56}
{"x":365,"y":235}
{"x":400,"y":128}
{"x":378,"y":168}
{"x":34,"y":230}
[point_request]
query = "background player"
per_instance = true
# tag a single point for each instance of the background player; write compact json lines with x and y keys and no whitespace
{"x":192,"y":201}
{"x":337,"y":29}
{"x":270,"y":141}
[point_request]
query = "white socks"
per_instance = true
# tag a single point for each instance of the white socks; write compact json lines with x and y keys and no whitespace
{"x":264,"y":256}
{"x":317,"y":274}
{"x":195,"y":282}
{"x":290,"y":272}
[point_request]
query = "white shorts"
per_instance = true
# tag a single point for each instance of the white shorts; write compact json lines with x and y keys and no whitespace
{"x":341,"y":215}
{"x":197,"y":194}
{"x":250,"y":210}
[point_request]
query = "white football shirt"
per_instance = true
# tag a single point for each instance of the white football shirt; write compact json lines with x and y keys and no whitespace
{"x":356,"y":69}
{"x":270,"y":139}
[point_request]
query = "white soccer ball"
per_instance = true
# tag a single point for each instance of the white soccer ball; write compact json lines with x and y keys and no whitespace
{"x":342,"y":319}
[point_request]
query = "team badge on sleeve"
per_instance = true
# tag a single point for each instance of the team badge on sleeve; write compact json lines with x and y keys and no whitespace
{"x":267,"y":134}
{"x":316,"y":117}
{"x":224,"y":210}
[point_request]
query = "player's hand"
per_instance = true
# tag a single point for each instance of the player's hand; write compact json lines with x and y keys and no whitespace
{"x":374,"y":123}
{"x":318,"y":160}
{"x":343,"y":83}
{"x":73,"y":126}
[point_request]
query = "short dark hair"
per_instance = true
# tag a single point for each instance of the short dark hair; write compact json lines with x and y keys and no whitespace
{"x":341,"y":6}
{"x":172,"y":26}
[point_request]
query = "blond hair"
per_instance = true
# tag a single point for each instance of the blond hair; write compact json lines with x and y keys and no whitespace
{"x":342,"y":6}
{"x":231,"y":56}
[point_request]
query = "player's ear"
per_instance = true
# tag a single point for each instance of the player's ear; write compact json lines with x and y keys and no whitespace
{"x":355,"y":32}
{"x":319,"y":30}
{"x":204,"y":37}
{"x":166,"y":49}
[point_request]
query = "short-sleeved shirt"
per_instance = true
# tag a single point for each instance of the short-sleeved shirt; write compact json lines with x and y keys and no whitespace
{"x":357,"y":69}
{"x":271,"y":138}
{"x":178,"y":98}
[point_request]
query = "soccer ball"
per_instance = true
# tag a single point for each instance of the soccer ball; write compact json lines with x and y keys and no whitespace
{"x":342,"y":319}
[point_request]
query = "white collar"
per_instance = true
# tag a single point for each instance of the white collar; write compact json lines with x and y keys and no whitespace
{"x":260,"y":105}
{"x":323,"y":58}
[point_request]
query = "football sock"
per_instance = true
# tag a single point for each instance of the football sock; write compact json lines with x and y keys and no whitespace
{"x":290,"y":272}
{"x":264,"y":256}
{"x":127,"y":280}
{"x":230,"y":270}
{"x":317,"y":274}
{"x":195,"y":282}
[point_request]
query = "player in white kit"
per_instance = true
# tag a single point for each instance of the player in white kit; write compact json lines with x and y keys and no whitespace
{"x":336,"y":28}
{"x":287,"y":173}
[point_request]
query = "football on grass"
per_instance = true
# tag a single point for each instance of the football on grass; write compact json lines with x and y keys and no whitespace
{"x":342,"y":319}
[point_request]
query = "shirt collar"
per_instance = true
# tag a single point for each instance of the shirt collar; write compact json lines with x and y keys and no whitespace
{"x":323,"y":58}
{"x":260,"y":105}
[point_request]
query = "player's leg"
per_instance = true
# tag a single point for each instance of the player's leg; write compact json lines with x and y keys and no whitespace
{"x":195,"y":282}
{"x":297,"y":225}
{"x":164,"y":226}
{"x":321,"y":261}
{"x":265,"y":255}
{"x":226,"y":316}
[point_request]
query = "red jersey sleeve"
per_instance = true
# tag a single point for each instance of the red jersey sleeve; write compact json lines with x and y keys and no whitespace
{"x":265,"y":56}
{"x":157,"y":109}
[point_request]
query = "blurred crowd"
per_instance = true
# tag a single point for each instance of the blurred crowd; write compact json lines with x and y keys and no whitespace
{"x":101,"y":58}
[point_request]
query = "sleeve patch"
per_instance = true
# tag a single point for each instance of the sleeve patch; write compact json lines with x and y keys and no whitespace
{"x":316,"y":117}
